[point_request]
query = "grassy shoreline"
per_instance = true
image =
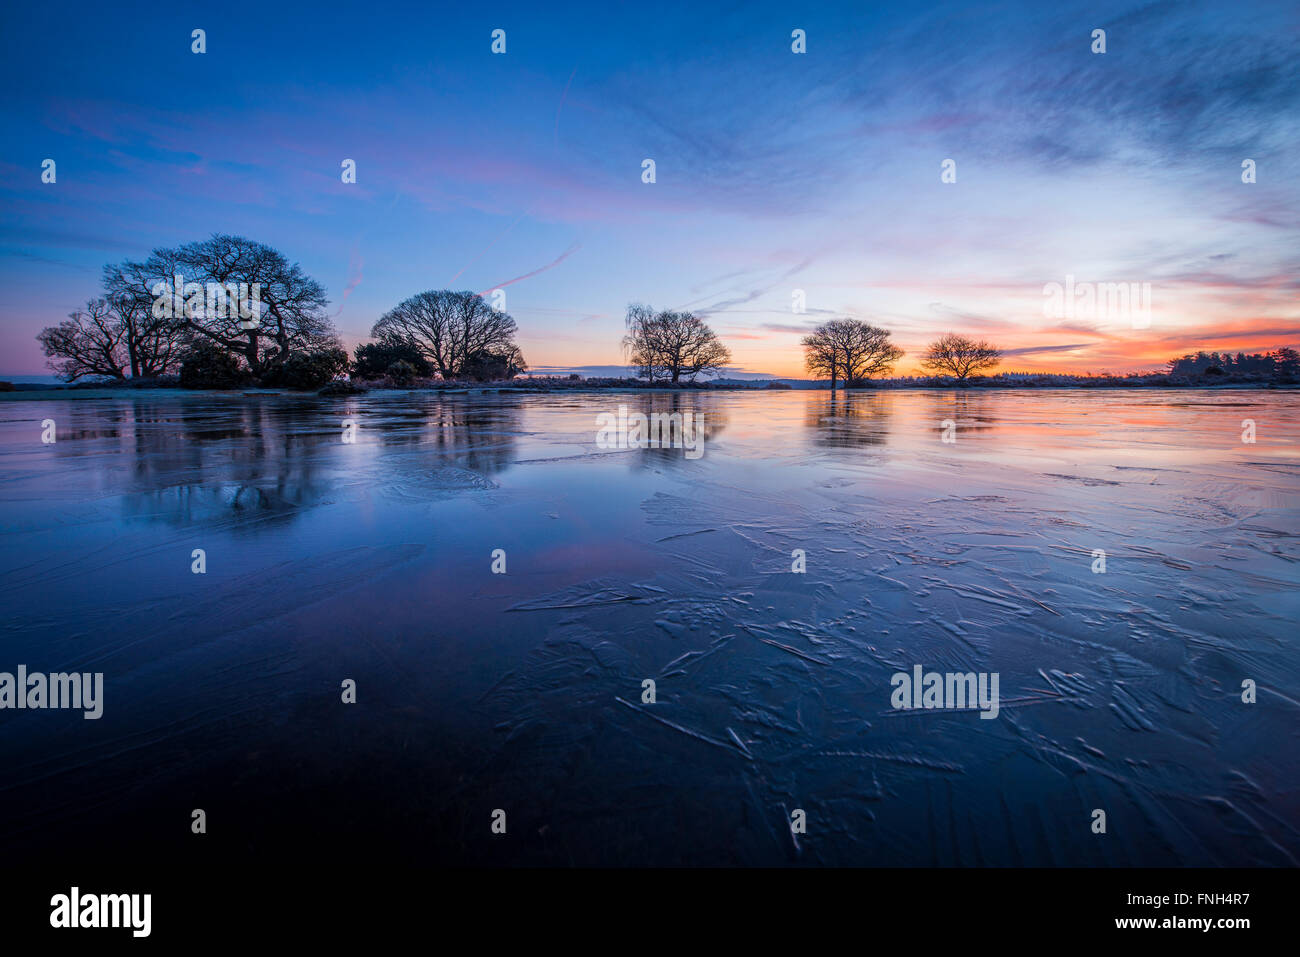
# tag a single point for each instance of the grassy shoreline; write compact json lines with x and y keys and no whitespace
{"x":36,"y":392}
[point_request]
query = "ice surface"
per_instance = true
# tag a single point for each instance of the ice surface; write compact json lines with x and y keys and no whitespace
{"x":522,"y":691}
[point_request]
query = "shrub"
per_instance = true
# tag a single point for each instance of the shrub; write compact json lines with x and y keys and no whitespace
{"x":307,"y":370}
{"x":168,"y":381}
{"x":375,"y":359}
{"x":208,"y":366}
{"x":401,"y":372}
{"x":339,"y":387}
{"x":487,"y":366}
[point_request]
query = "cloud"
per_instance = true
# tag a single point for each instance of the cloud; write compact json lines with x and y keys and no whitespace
{"x":573,"y":248}
{"x":964,"y":318}
{"x":1034,"y":350}
{"x":1237,"y":334}
{"x":44,"y":260}
{"x":784,"y":327}
{"x":355,"y":266}
{"x":755,"y":293}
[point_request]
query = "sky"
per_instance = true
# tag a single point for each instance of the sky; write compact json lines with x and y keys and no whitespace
{"x":777,"y":174}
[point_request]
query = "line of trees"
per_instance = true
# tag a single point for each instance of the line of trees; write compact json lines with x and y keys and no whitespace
{"x":853,"y":352}
{"x":153,"y":319}
{"x":179,"y":312}
{"x":1280,"y":362}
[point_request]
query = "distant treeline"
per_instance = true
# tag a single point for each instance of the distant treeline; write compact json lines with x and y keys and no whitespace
{"x":1283,"y":362}
{"x":228,"y":312}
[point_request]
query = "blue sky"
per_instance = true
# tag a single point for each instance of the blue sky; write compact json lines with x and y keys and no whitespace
{"x":775,"y":171}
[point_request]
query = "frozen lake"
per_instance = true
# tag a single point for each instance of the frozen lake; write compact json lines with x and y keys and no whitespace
{"x":372,"y":560}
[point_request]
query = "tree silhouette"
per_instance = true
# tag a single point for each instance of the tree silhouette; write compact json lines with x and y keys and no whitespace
{"x":850,"y":349}
{"x":671,"y":345}
{"x":959,"y":356}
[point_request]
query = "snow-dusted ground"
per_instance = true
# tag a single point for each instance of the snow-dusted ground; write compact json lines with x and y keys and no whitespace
{"x":373,"y":561}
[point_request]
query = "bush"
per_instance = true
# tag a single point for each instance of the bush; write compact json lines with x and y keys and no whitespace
{"x":208,"y":366}
{"x":166,"y":381}
{"x":307,"y":370}
{"x":376,"y":359}
{"x":485,"y":366}
{"x":401,"y":372}
{"x":339,"y":387}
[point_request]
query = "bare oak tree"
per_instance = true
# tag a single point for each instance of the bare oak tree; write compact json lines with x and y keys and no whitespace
{"x":145,"y":323}
{"x":670,"y":345}
{"x":116,"y":334}
{"x":849,"y":349}
{"x":457,"y":332}
{"x":292,"y":310}
{"x":89,"y":342}
{"x":959,"y":356}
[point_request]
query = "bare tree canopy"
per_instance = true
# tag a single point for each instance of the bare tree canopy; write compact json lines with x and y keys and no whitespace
{"x":669,"y":345}
{"x":849,"y":349}
{"x":960,"y":356}
{"x":292,"y":304}
{"x":87,"y":343}
{"x":457,"y":332}
{"x":154,"y":344}
{"x":116,"y":334}
{"x":229,"y":292}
